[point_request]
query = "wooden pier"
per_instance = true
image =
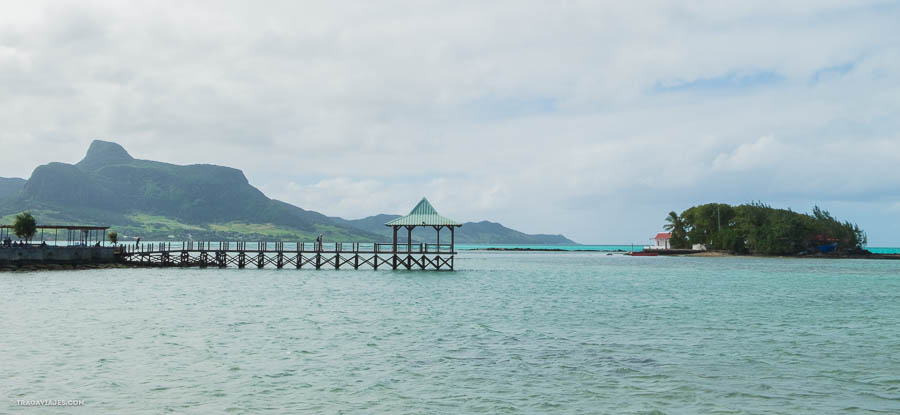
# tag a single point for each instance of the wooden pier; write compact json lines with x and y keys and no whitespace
{"x":318,"y":255}
{"x":291,"y":255}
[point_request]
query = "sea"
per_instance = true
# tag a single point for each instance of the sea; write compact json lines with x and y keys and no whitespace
{"x":506,"y":333}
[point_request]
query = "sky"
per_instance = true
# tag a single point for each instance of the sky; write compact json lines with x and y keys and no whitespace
{"x":585,"y":118}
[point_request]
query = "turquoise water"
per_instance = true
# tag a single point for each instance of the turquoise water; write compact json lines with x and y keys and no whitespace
{"x":508,"y":332}
{"x":553,"y":247}
{"x":884,"y":250}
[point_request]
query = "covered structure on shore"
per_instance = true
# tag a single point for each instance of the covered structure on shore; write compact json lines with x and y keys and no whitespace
{"x":662,"y":240}
{"x":425,"y":215}
{"x":74,"y":234}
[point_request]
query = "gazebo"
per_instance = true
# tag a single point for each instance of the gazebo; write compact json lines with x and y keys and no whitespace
{"x":426,"y":216}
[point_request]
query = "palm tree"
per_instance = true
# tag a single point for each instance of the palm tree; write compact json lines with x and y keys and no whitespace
{"x":676,"y":226}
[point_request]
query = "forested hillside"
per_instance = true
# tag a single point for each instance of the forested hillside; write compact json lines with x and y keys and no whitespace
{"x":760,"y":229}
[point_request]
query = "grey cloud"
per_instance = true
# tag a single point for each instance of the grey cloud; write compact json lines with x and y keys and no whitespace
{"x":545,"y":116}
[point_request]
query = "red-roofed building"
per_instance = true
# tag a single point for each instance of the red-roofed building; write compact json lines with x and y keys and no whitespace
{"x":662,"y":240}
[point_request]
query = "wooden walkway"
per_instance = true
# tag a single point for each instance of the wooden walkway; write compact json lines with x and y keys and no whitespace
{"x":291,"y":255}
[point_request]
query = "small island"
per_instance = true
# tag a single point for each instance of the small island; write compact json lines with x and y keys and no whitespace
{"x":759,"y":229}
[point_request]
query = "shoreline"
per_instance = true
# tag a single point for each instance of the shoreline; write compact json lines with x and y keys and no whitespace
{"x":704,"y":254}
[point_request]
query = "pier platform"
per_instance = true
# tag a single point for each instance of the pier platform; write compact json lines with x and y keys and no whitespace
{"x":291,"y":255}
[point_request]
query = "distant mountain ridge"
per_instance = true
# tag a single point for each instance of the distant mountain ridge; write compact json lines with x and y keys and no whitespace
{"x":10,"y":187}
{"x":157,"y":200}
{"x":473,"y":233}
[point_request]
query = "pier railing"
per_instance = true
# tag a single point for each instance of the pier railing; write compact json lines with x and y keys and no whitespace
{"x":305,"y":247}
{"x":298,"y":254}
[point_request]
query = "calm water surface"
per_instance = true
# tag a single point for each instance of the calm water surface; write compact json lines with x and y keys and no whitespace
{"x":507,"y":333}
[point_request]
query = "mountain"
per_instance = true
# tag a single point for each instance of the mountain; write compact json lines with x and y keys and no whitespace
{"x":159,"y":201}
{"x":10,"y":187}
{"x":155,"y":200}
{"x":483,"y":232}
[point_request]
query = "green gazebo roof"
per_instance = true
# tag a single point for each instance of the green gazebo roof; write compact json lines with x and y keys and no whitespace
{"x":423,"y":215}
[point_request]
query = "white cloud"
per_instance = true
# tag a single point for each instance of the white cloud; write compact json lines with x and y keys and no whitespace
{"x":762,"y":153}
{"x":585,"y":118}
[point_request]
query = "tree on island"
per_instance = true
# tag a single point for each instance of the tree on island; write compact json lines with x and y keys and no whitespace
{"x":113,"y":237}
{"x":25,"y":226}
{"x":676,"y":227}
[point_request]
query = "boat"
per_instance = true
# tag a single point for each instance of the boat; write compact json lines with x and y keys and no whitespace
{"x":643,"y":253}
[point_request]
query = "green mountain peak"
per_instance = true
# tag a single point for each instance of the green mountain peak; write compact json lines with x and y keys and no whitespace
{"x":103,"y":153}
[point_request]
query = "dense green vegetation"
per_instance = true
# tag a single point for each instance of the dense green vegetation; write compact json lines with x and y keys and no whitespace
{"x":25,"y":226}
{"x":755,"y":228}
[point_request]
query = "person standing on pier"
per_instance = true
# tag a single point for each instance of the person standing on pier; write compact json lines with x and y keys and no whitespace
{"x":319,"y":240}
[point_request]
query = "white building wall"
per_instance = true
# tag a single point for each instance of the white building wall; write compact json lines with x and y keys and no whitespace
{"x":661,"y":244}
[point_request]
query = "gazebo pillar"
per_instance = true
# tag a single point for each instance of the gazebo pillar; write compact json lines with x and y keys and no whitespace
{"x":408,"y":263}
{"x":452,"y":247}
{"x":409,"y":239}
{"x":394,"y":251}
{"x":438,"y":228}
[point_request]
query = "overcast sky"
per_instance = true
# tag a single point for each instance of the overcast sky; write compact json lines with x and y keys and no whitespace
{"x":591,"y":119}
